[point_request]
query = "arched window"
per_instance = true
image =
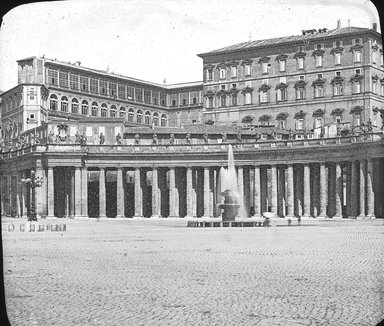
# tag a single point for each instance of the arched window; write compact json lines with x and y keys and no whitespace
{"x":163,"y":120}
{"x":113,"y":111}
{"x":84,"y":107}
{"x":131,"y":113}
{"x":104,"y":110}
{"x":53,"y":102}
{"x":64,"y":104}
{"x":147,"y":118}
{"x":95,"y":109}
{"x":139,"y":116}
{"x":156,"y":119}
{"x":75,"y":106}
{"x":122,"y":112}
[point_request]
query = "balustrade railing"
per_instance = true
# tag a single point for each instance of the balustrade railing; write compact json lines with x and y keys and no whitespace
{"x":208,"y":147}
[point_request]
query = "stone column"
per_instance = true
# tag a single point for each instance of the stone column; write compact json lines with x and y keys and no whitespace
{"x":189,"y":193}
{"x":138,"y":195}
{"x":240,"y":181}
{"x":102,"y":197}
{"x":315,"y":189}
{"x":281,"y":191}
{"x":370,"y":193}
{"x":39,"y":194}
{"x":362,"y":189}
{"x":307,"y":191}
{"x":120,"y":194}
{"x":323,"y":192}
{"x":72,"y":193}
{"x":354,"y":189}
{"x":173,"y":212}
{"x":24,"y":208}
{"x":274,"y":189}
{"x":348,"y":189}
{"x":206,"y":192}
{"x":298,"y":184}
{"x":155,"y":194}
{"x":50,"y":194}
{"x":256,"y":193}
{"x":290,"y":192}
{"x":338,"y":192}
{"x":84,"y":192}
{"x":77,"y":213}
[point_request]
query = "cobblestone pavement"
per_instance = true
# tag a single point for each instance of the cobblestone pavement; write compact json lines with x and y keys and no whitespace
{"x":162,"y":273}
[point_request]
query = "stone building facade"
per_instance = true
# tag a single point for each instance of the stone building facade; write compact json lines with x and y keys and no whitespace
{"x":302,"y":113}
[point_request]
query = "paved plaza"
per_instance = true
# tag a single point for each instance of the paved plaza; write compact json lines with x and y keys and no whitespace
{"x":159,"y":272}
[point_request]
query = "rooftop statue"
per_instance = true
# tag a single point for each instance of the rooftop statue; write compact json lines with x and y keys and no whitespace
{"x":172,"y":139}
{"x":137,"y":139}
{"x":118,"y":139}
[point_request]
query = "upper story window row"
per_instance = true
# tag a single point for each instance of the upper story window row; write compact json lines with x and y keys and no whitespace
{"x":103,"y":87}
{"x":303,"y":59}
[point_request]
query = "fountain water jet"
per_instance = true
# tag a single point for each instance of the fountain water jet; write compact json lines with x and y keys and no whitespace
{"x":233,"y":204}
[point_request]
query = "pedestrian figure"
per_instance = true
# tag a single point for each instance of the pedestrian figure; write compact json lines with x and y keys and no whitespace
{"x":118,"y":139}
{"x":299,"y":220}
{"x":205,"y":138}
{"x":77,"y":137}
{"x":223,"y":137}
{"x":289,"y":222}
{"x":137,"y":139}
{"x":102,"y":138}
{"x":155,"y":140}
{"x":188,"y":138}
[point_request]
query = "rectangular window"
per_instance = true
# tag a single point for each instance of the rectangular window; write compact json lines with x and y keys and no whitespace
{"x":283,"y":80}
{"x":63,"y":79}
{"x":248,"y":98}
{"x":163,"y":99}
{"x":338,"y":44}
{"x":300,"y":93}
{"x":233,"y":71}
{"x":84,"y":85}
{"x":155,"y":98}
{"x":357,"y":71}
{"x":222,"y":73}
{"x":381,"y":59}
{"x":264,"y":67}
{"x":282,"y":65}
{"x":121,"y":90}
{"x":247,"y":70}
{"x":374,"y":53}
{"x":210,"y":102}
{"x":319,"y":60}
{"x":223,"y":100}
{"x":318,"y":122}
{"x":147,"y":96}
{"x":94,"y":84}
{"x":357,"y":56}
{"x":319,"y":76}
{"x":103,"y":87}
{"x":52,"y":77}
{"x":318,"y":47}
{"x":337,"y":89}
{"x":234,"y":99}
{"x":356,"y":87}
{"x":300,"y":63}
{"x":301,"y":77}
{"x":337,"y":59}
{"x":264,"y":81}
{"x":300,"y":124}
{"x":139,"y":94}
{"x":374,"y":88}
{"x":130,"y":92}
{"x":281,"y":95}
{"x":338,"y":73}
{"x":209,"y":74}
{"x":319,"y":91}
{"x":263,"y":97}
{"x":112,"y":89}
{"x":74,"y":80}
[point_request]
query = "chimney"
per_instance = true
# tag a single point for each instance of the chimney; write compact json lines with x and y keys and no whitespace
{"x":374,"y":27}
{"x":338,"y":23}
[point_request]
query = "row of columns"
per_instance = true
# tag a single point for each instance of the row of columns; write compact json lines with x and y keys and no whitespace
{"x":303,"y":189}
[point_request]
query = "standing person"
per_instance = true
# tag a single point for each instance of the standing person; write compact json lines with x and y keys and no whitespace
{"x":299,"y":220}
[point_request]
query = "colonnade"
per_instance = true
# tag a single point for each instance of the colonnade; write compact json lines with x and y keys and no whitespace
{"x":306,"y":189}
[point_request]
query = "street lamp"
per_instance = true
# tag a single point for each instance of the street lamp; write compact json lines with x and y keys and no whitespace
{"x":34,"y":181}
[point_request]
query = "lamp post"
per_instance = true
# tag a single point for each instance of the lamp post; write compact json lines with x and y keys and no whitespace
{"x":34,"y":181}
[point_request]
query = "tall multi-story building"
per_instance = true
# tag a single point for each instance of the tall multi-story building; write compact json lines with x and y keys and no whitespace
{"x":304,"y":81}
{"x":303,"y":113}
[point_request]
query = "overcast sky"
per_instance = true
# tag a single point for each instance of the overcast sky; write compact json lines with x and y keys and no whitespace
{"x":157,"y":39}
